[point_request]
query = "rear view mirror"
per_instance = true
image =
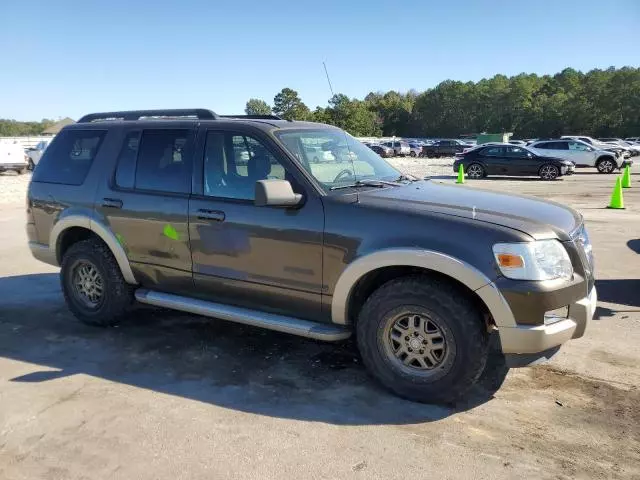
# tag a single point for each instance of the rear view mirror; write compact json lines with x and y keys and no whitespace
{"x":276,"y":193}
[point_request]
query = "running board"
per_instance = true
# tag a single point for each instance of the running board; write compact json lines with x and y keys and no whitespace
{"x":296,"y":326}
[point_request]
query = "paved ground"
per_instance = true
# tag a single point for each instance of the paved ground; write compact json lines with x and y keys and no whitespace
{"x":171,"y":396}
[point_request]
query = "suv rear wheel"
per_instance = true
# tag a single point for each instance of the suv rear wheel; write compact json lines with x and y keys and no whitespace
{"x":92,"y":283}
{"x":423,"y":339}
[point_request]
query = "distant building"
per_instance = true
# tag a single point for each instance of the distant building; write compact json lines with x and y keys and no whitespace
{"x":56,"y":127}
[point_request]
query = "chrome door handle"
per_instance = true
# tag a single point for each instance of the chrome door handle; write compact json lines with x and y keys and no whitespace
{"x":111,"y":203}
{"x":215,"y":215}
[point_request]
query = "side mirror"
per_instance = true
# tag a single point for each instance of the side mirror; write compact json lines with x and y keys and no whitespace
{"x":276,"y":193}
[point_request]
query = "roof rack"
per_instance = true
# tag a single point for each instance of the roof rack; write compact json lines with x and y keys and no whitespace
{"x":253,"y":117}
{"x":199,"y":113}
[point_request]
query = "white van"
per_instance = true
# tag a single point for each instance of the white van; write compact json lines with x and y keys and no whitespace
{"x":12,"y":157}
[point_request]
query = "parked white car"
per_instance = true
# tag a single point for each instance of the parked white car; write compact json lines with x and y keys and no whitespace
{"x":400,"y":148}
{"x":597,"y":144}
{"x":35,"y":153}
{"x":580,"y":153}
{"x":12,"y":157}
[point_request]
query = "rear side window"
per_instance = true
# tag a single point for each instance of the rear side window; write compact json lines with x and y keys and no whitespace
{"x":164,"y":164}
{"x":69,"y":157}
{"x":558,"y":146}
{"x":492,"y":152}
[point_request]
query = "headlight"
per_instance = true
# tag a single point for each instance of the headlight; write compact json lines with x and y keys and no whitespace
{"x":541,"y":260}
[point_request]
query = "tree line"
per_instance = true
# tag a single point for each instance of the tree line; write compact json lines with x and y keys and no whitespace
{"x":14,"y":128}
{"x":597,"y":103}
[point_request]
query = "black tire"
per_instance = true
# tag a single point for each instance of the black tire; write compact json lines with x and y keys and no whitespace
{"x":117,"y":295}
{"x":31,"y":165}
{"x":606,"y":165}
{"x":471,"y":171}
{"x":549,"y":172}
{"x":413,"y":154}
{"x":463,"y":331}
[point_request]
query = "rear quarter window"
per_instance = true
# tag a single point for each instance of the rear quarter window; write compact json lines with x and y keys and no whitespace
{"x":69,"y":157}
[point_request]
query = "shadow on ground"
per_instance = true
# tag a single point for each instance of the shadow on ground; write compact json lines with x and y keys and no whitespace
{"x":216,"y":362}
{"x":634,"y":245}
{"x":622,"y":292}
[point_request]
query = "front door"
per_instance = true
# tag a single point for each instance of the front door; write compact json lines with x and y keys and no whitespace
{"x":518,"y":161}
{"x":145,"y":204}
{"x":265,"y":258}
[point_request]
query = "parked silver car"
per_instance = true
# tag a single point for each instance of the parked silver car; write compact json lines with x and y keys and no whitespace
{"x":400,"y":148}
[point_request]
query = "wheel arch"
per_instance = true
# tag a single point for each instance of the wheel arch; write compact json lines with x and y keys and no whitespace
{"x":359,"y":277}
{"x":75,"y":227}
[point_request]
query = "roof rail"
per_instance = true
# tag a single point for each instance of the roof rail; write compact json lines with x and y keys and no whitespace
{"x":200,"y":113}
{"x":253,"y":117}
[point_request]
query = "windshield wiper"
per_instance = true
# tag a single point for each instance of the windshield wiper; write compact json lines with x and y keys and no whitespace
{"x":366,"y":183}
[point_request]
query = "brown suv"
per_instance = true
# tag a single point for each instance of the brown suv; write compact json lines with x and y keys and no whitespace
{"x":228,"y":217}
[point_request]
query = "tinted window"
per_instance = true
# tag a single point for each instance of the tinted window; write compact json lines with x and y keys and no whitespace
{"x":516,"y":152}
{"x":558,"y":146}
{"x":126,"y":171}
{"x":163,"y":162}
{"x":578,"y":146}
{"x":69,"y":157}
{"x":233,"y":164}
{"x":492,"y":151}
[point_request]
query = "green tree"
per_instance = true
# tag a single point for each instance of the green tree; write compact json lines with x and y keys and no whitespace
{"x":287,"y":104}
{"x":256,"y":106}
{"x":352,"y":115}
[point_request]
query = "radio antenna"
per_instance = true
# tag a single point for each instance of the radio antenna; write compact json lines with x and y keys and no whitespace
{"x":346,"y":137}
{"x":328,"y":79}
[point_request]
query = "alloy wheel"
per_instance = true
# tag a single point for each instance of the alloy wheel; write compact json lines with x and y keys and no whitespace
{"x":415,"y":343}
{"x":88,"y":285}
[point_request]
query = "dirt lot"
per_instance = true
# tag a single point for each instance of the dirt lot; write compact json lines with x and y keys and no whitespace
{"x":171,"y":396}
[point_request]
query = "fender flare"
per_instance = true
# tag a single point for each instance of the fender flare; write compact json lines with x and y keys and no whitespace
{"x":101,"y":231}
{"x":461,"y":271}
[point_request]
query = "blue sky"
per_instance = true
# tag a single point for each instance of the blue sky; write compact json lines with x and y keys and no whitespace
{"x":67,"y":58}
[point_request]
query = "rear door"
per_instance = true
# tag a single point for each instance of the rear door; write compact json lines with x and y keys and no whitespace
{"x":492,"y":158}
{"x":145,"y":202}
{"x":557,"y":149}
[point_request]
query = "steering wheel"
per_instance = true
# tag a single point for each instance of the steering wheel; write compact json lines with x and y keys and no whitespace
{"x":343,"y":174}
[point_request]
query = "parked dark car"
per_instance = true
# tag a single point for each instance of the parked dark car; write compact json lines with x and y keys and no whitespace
{"x":381,"y":150}
{"x":444,"y":148}
{"x":158,"y":207}
{"x":512,"y":160}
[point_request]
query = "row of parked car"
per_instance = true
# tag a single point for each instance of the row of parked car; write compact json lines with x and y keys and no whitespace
{"x":548,"y":159}
{"x":418,"y":148}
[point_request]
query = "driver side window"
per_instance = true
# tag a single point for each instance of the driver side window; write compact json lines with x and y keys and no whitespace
{"x":234,"y":162}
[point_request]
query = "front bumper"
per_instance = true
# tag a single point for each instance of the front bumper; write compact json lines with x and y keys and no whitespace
{"x":12,"y":166}
{"x":532,"y":339}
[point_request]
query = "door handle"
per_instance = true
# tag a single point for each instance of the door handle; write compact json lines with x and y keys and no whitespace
{"x":215,"y":215}
{"x":111,"y":203}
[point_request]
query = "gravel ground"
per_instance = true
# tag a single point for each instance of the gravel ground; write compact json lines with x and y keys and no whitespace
{"x":170,"y":396}
{"x":13,"y":187}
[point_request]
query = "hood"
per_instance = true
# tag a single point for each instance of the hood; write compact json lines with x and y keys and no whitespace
{"x":537,"y":218}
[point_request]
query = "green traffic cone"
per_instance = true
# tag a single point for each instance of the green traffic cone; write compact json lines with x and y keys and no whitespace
{"x":626,"y":177}
{"x":460,"y":175}
{"x":616,"y":195}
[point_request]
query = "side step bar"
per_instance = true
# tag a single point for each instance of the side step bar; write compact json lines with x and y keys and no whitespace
{"x":304,"y":328}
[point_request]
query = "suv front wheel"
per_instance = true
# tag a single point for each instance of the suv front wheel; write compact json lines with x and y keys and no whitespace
{"x":92,"y":283}
{"x":423,"y":339}
{"x":606,"y":165}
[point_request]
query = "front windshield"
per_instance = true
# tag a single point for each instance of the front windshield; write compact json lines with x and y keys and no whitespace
{"x":335,"y":158}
